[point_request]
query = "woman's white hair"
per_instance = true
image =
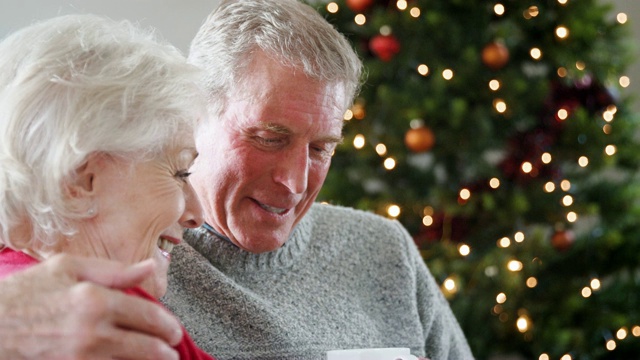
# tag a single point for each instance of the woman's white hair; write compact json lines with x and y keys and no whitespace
{"x":76,"y":85}
{"x":288,"y":31}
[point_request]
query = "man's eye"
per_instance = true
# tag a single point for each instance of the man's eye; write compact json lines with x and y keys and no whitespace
{"x":268,"y":141}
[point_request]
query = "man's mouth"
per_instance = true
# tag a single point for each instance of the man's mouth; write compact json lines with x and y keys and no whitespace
{"x":272,"y":209}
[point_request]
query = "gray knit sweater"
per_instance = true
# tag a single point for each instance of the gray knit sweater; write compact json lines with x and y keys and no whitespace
{"x":345,"y":279}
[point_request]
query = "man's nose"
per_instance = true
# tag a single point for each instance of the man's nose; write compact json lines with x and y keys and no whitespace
{"x":292,"y":170}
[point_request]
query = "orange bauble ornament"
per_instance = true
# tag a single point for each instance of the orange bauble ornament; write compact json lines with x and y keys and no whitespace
{"x":419,"y":139}
{"x":359,"y":5}
{"x":495,"y":55}
{"x":562,"y":240}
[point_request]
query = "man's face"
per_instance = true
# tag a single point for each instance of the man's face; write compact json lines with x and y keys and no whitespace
{"x":262,"y":164}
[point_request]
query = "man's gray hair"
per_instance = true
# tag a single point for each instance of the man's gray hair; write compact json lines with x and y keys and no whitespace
{"x":287,"y":31}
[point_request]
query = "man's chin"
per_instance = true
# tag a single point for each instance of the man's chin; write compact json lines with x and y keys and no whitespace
{"x":261,"y":246}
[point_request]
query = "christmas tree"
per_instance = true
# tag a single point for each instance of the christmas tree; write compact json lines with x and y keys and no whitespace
{"x":496,"y":132}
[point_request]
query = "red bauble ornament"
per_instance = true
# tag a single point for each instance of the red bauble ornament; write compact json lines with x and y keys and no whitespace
{"x":384,"y":46}
{"x":359,"y":5}
{"x":419,"y":139}
{"x":562,"y":240}
{"x":495,"y":55}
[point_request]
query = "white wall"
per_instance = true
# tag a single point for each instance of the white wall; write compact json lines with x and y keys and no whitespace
{"x":178,"y":20}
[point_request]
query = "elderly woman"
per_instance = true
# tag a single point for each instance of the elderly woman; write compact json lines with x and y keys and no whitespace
{"x":96,"y":126}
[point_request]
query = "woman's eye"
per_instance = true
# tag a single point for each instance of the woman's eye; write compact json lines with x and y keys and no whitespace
{"x":183,"y":175}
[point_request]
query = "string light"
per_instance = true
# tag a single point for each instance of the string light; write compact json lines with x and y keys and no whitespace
{"x":583,"y":161}
{"x":580,"y":65}
{"x":546,"y":158}
{"x":543,"y":356}
{"x":607,"y":116}
{"x":348,"y":115}
{"x":389,"y":163}
{"x":464,"y":249}
{"x":423,"y":69}
{"x":563,"y":2}
{"x":514,"y":265}
{"x":549,"y":187}
{"x":565,"y":185}
{"x":501,"y":298}
{"x":359,"y":141}
{"x":427,"y":220}
{"x":447,"y":74}
{"x":401,"y":5}
{"x":562,"y":114}
{"x":567,"y":200}
{"x":428,"y":210}
{"x":566,"y":357}
{"x":519,"y":237}
{"x":498,"y":9}
{"x":393,"y":210}
{"x":562,"y":32}
{"x":494,"y":183}
{"x":572,"y":217}
{"x":610,"y":150}
{"x":526,"y":167}
{"x":611,"y":345}
{"x":332,"y":7}
{"x":622,"y":333}
{"x":504,"y":242}
{"x":360,"y":19}
{"x":532,"y":282}
{"x":465,"y":194}
{"x":622,"y":18}
{"x":381,"y":149}
{"x":450,"y":285}
{"x":500,"y":105}
{"x":358,"y":111}
{"x":522,"y":323}
{"x":625,"y":81}
{"x":415,"y":12}
{"x":494,"y":85}
{"x":562,"y":72}
{"x":606,"y":129}
{"x":586,"y":292}
{"x":531,"y":12}
{"x":595,"y":284}
{"x":636,"y":331}
{"x":535,"y":53}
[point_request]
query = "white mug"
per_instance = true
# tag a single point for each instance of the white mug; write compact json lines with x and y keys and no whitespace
{"x":371,"y":354}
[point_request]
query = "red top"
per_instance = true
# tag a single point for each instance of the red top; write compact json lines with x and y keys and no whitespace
{"x":13,"y":261}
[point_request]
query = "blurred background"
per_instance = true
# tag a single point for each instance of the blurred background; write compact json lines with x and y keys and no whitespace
{"x":504,"y":135}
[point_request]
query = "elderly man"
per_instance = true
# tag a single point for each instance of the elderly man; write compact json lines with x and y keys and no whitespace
{"x":271,"y":274}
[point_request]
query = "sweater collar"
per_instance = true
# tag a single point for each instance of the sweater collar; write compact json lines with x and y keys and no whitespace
{"x":229,"y":258}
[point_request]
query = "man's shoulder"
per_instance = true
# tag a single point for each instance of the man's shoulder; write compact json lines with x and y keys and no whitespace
{"x":336,"y":216}
{"x":345,"y":213}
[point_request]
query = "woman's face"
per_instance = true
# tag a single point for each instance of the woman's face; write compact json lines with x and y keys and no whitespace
{"x":141,"y":210}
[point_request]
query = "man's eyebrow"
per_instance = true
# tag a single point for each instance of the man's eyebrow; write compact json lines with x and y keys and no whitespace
{"x":276,"y":128}
{"x":279,"y":129}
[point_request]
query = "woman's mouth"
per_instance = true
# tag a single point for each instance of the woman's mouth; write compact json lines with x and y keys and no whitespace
{"x":166,"y":246}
